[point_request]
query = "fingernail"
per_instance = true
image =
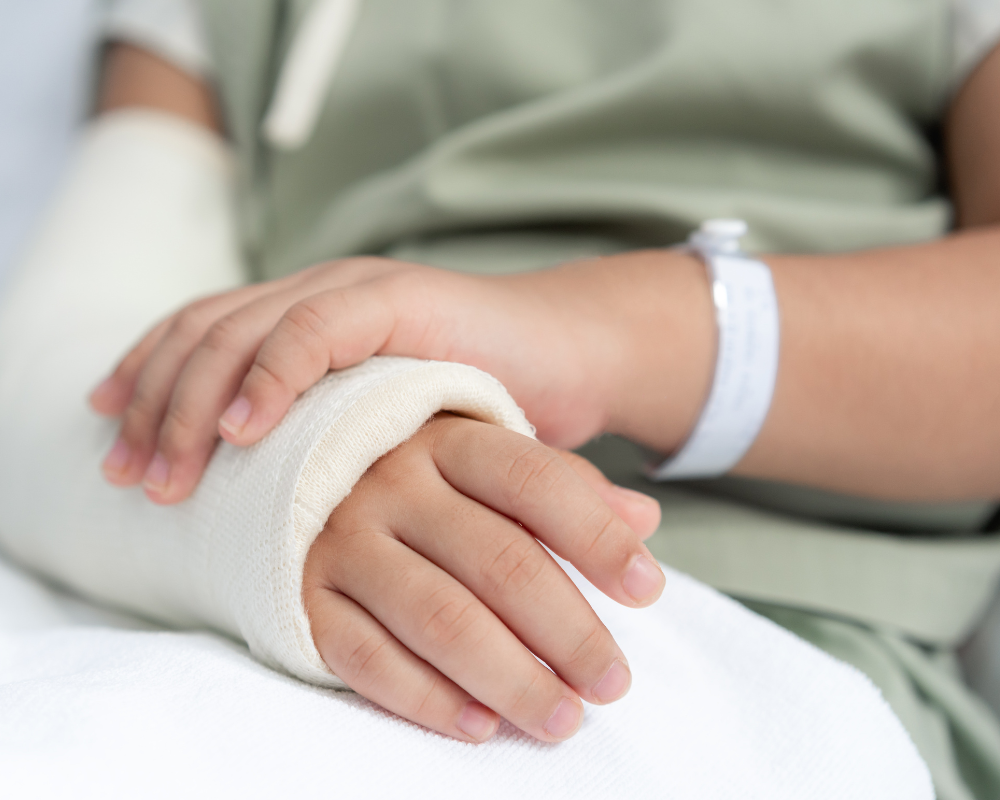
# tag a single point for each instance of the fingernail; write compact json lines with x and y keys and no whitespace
{"x":636,"y":497}
{"x":614,"y":684}
{"x":116,"y":461}
{"x":644,"y":580}
{"x":157,"y":474}
{"x":477,"y":721}
{"x":564,"y":720}
{"x":236,"y":415}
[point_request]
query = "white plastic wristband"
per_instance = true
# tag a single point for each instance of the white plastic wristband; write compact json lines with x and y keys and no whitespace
{"x":746,"y":310}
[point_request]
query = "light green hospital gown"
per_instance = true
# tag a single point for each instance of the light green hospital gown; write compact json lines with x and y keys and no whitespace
{"x":499,"y":136}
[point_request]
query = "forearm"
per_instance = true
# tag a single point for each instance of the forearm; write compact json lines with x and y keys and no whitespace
{"x":889,"y":376}
{"x":889,"y":381}
{"x":135,"y":78}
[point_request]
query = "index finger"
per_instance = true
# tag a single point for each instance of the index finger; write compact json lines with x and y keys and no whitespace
{"x":530,"y":483}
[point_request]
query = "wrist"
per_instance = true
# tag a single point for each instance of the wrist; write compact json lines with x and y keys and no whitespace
{"x":746,"y":356}
{"x":667,"y":355}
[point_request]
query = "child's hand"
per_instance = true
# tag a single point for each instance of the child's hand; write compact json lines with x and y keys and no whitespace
{"x":428,"y":591}
{"x":608,"y":344}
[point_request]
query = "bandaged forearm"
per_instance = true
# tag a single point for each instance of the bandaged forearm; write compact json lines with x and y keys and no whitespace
{"x":143,"y":224}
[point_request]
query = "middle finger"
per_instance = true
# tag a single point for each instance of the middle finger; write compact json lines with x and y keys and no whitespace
{"x":523,"y":585}
{"x":442,"y":622}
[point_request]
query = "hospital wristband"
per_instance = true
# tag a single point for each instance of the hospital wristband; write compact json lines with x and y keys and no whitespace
{"x":746,"y":311}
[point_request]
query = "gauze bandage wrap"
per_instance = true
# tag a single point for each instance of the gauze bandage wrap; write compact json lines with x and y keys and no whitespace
{"x":143,"y":224}
{"x":746,"y":310}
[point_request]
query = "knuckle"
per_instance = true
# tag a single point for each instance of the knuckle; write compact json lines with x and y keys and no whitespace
{"x":517,"y":567}
{"x":178,"y":431}
{"x":594,"y":642}
{"x":343,"y":546}
{"x":225,"y":335}
{"x":301,"y":340}
{"x":523,"y":702}
{"x":414,"y":287}
{"x":449,"y":617}
{"x":142,"y":416}
{"x":192,"y":322}
{"x":408,"y":282}
{"x":360,"y":267}
{"x":429,"y":703}
{"x":368,"y":661}
{"x":264,"y":376}
{"x":306,"y":321}
{"x":604,"y":531}
{"x":396,"y":474}
{"x":533,"y":468}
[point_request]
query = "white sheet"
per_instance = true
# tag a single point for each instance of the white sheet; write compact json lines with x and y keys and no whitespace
{"x":724,"y":705}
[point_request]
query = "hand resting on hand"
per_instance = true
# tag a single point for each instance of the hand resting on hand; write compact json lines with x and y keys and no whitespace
{"x":571,"y":345}
{"x":428,"y":592}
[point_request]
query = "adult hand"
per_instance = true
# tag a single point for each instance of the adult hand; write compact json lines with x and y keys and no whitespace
{"x":582,"y":348}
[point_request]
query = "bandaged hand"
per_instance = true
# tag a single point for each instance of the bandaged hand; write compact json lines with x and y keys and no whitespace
{"x":428,"y":592}
{"x":621,"y":344}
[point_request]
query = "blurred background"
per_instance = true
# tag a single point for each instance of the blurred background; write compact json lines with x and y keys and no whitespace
{"x":47,"y":55}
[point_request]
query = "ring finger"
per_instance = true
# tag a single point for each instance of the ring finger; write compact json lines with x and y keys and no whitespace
{"x":442,"y":622}
{"x":369,"y":659}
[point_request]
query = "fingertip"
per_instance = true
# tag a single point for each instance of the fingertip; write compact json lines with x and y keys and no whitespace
{"x":615,"y":684}
{"x":107,"y":399}
{"x":566,"y":720}
{"x":248,"y":423}
{"x":155,"y":497}
{"x":116,"y":463}
{"x":644,"y":581}
{"x":477,"y":722}
{"x":156,"y":481}
{"x":234,"y":419}
{"x":639,"y":511}
{"x":165,"y":497}
{"x":242,"y":438}
{"x":164,"y":484}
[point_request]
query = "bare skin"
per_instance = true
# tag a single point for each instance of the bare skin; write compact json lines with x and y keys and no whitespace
{"x":134,"y":77}
{"x":888,"y":384}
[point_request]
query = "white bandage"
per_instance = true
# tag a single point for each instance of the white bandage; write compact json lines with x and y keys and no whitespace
{"x":746,"y":310}
{"x":142,"y":225}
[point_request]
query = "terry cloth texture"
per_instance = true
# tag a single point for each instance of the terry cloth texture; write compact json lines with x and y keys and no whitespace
{"x":724,"y":706}
{"x":141,"y":226}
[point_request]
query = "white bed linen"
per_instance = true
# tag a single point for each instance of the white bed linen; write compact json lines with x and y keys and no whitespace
{"x":724,"y":705}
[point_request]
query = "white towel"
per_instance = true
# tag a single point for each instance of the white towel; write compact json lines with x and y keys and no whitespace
{"x":724,"y":704}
